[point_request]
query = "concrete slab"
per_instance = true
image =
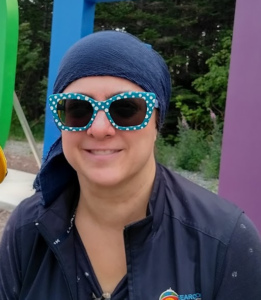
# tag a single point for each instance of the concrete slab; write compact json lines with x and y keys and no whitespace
{"x":16,"y":187}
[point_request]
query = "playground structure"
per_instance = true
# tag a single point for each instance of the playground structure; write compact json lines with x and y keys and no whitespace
{"x":3,"y":166}
{"x":8,"y":58}
{"x":240,"y":172}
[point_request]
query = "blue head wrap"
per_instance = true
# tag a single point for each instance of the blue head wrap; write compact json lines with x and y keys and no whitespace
{"x":105,"y":53}
{"x":118,"y":54}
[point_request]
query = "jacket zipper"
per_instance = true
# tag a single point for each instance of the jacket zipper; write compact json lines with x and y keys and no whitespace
{"x":105,"y":296}
{"x":56,"y":253}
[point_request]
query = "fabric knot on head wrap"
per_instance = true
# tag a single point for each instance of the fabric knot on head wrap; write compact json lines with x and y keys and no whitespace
{"x":118,"y":54}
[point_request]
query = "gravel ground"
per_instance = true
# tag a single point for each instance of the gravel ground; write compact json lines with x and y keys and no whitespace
{"x":20,"y":157}
{"x":196,"y":177}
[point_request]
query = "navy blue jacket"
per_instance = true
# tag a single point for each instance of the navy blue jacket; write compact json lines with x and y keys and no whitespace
{"x":192,"y":241}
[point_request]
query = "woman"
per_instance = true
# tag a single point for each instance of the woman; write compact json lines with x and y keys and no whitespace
{"x":106,"y":221}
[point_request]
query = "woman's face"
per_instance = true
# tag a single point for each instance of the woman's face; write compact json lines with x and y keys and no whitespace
{"x":102,"y":154}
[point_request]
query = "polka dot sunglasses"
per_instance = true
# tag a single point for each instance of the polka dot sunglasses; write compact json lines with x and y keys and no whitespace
{"x":126,"y":111}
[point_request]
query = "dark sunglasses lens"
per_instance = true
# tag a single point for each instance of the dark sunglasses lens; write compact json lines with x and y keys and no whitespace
{"x":128,"y":112}
{"x":74,"y":113}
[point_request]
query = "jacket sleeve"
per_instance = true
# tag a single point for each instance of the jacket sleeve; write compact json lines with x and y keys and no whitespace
{"x":242,"y":268}
{"x":10,"y":274}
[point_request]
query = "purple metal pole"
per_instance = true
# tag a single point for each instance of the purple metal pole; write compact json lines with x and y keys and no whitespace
{"x":240,"y":174}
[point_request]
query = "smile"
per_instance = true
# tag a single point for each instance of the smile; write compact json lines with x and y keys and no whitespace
{"x":103,"y":152}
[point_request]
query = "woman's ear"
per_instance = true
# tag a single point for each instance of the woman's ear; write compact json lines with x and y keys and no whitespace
{"x":157,"y":134}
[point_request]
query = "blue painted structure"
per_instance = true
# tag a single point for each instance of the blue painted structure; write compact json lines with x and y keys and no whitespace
{"x":72,"y":20}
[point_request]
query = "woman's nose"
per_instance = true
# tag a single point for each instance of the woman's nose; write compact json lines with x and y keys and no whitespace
{"x":101,"y":127}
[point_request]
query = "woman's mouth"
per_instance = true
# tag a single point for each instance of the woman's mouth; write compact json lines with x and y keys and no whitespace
{"x":103,"y":152}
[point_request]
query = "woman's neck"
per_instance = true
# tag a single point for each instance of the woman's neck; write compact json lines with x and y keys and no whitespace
{"x":116,"y":206}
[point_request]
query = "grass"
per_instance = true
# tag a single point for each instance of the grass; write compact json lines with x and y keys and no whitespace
{"x":16,"y":131}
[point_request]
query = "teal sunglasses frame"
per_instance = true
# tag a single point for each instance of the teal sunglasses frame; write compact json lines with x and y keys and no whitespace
{"x":149,"y":98}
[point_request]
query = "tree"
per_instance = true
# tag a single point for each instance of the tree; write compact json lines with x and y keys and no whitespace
{"x":33,"y":55}
{"x":186,"y":32}
{"x":210,"y":89}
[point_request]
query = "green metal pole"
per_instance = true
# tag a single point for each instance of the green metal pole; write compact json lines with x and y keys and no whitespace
{"x":9,"y":28}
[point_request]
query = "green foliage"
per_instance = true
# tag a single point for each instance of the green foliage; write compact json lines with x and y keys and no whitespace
{"x":211,"y":164}
{"x":164,"y":153}
{"x":190,"y":149}
{"x":28,"y":60}
{"x":188,"y":33}
{"x":17,"y":133}
{"x":32,"y":64}
{"x":210,"y":89}
{"x":196,"y":151}
{"x":213,"y":85}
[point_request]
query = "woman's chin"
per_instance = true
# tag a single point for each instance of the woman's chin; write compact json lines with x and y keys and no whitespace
{"x":102,"y":178}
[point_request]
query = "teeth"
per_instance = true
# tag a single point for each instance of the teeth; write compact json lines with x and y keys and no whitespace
{"x":103,"y":152}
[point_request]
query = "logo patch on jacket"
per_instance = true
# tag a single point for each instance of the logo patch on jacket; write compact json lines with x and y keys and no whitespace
{"x":171,"y":295}
{"x":196,"y":296}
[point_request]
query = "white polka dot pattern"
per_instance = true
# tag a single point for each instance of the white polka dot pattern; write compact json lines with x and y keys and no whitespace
{"x":149,"y":98}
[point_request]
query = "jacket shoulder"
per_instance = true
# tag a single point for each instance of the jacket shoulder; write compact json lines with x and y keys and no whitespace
{"x":197,"y":208}
{"x":27,"y":211}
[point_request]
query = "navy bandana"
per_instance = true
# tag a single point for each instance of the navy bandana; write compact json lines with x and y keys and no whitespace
{"x":118,"y":54}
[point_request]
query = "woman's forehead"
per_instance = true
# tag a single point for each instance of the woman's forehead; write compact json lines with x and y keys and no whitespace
{"x":102,"y":86}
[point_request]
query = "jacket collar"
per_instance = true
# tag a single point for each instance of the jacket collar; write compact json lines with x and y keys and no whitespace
{"x":55,"y":174}
{"x":55,"y":223}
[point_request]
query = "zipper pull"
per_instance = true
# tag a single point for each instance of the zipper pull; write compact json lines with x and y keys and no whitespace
{"x":103,"y":297}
